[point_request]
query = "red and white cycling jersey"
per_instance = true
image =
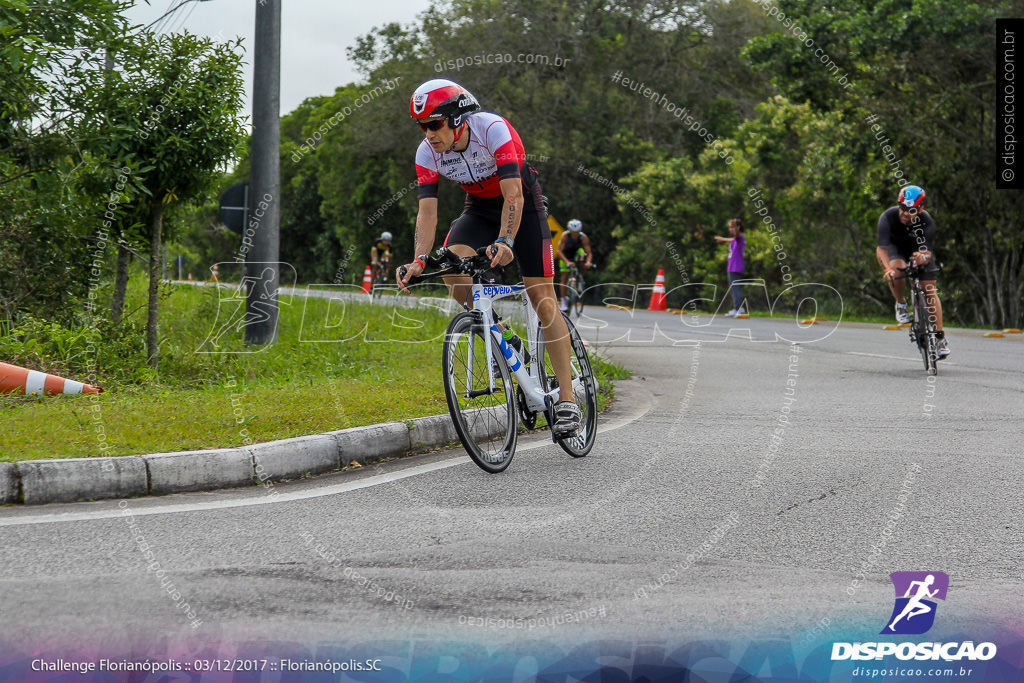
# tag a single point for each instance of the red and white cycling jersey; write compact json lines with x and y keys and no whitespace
{"x":495,"y":153}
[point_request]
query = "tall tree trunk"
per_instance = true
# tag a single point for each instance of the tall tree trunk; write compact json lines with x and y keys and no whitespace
{"x":124,"y":259}
{"x":156,"y":224}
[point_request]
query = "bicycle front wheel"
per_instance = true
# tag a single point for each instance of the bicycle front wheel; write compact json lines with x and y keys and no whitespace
{"x":380,"y":276}
{"x":576,"y":300}
{"x":485,"y":414}
{"x":584,"y":391}
{"x":926,"y":341}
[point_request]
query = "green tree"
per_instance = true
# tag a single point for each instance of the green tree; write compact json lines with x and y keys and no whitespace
{"x":173,"y":105}
{"x":47,"y":216}
{"x":547,"y":67}
{"x":922,"y":70}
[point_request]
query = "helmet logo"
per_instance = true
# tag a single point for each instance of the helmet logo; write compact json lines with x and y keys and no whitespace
{"x":419,"y":102}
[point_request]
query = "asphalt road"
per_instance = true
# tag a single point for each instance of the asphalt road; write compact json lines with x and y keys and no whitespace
{"x":739,"y":487}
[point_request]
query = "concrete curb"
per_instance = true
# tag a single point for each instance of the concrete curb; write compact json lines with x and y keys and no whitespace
{"x":290,"y":458}
{"x":8,"y":483}
{"x":65,"y":481}
{"x":36,"y":482}
{"x":198,"y":470}
{"x":373,"y":441}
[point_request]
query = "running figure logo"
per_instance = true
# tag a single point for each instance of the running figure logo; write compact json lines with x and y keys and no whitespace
{"x":914,"y":613}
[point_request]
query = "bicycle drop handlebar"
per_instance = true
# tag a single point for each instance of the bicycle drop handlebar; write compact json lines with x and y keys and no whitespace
{"x":450,"y":263}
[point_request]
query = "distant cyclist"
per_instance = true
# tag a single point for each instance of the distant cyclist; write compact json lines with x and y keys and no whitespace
{"x":574,"y":246}
{"x":906,"y":234}
{"x":380,"y":255}
{"x":484,"y":154}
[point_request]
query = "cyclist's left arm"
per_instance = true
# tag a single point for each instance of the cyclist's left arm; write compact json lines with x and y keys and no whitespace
{"x":511,"y":216}
{"x":926,"y":252}
{"x":586,"y":248}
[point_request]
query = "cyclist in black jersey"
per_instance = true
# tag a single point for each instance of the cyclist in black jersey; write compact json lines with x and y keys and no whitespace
{"x":574,"y":246}
{"x":906,"y":233}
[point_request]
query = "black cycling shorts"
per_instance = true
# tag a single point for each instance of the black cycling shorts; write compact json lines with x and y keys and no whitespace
{"x":479,"y":224}
{"x":930,"y":274}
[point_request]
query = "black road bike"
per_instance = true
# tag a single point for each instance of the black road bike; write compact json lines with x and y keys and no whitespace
{"x":923,"y":331}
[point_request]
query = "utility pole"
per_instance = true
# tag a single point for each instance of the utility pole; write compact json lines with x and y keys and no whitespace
{"x":262,"y":269}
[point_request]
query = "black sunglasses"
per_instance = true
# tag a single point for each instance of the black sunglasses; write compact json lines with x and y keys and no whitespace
{"x":433,"y":125}
{"x":913,"y":210}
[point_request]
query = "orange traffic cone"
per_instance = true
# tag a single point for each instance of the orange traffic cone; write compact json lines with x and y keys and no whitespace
{"x":14,"y":378}
{"x":367,"y":280}
{"x":658,"y":295}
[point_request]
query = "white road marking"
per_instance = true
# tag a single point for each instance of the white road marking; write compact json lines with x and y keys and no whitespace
{"x":879,"y":355}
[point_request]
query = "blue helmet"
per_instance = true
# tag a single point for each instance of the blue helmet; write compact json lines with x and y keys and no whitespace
{"x":911,"y":197}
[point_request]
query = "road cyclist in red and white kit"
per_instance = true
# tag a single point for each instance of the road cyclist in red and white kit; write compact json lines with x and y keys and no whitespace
{"x":483,"y":153}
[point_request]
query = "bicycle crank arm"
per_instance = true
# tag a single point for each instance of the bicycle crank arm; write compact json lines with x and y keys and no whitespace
{"x":481,"y":392}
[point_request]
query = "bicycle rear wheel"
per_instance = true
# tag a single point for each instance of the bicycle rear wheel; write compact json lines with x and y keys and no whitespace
{"x":585,"y":393}
{"x":485,"y":417}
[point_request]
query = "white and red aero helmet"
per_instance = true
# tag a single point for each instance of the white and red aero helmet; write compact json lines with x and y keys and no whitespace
{"x":441,"y":98}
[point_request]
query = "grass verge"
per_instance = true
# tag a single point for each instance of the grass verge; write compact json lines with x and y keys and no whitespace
{"x":335,"y":365}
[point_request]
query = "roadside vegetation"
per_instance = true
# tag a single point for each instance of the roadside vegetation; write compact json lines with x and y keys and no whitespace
{"x":336,"y":365}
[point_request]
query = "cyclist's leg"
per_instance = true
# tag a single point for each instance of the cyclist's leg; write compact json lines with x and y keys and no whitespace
{"x":556,"y":334}
{"x":468,"y":232}
{"x":898,"y":287}
{"x":931,"y":296}
{"x":563,"y":270}
{"x":536,"y":263}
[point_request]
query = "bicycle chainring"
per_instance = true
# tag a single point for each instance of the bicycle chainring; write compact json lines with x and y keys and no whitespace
{"x":528,"y":417}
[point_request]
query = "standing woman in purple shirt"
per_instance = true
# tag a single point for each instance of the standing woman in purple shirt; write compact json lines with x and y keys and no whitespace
{"x":737,"y":242}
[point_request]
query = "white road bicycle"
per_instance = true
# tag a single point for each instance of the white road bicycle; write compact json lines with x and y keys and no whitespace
{"x":490,"y":383}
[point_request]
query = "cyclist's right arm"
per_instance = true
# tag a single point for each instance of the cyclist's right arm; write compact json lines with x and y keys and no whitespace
{"x":426,"y":226}
{"x":882,"y":250}
{"x":882,"y":254}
